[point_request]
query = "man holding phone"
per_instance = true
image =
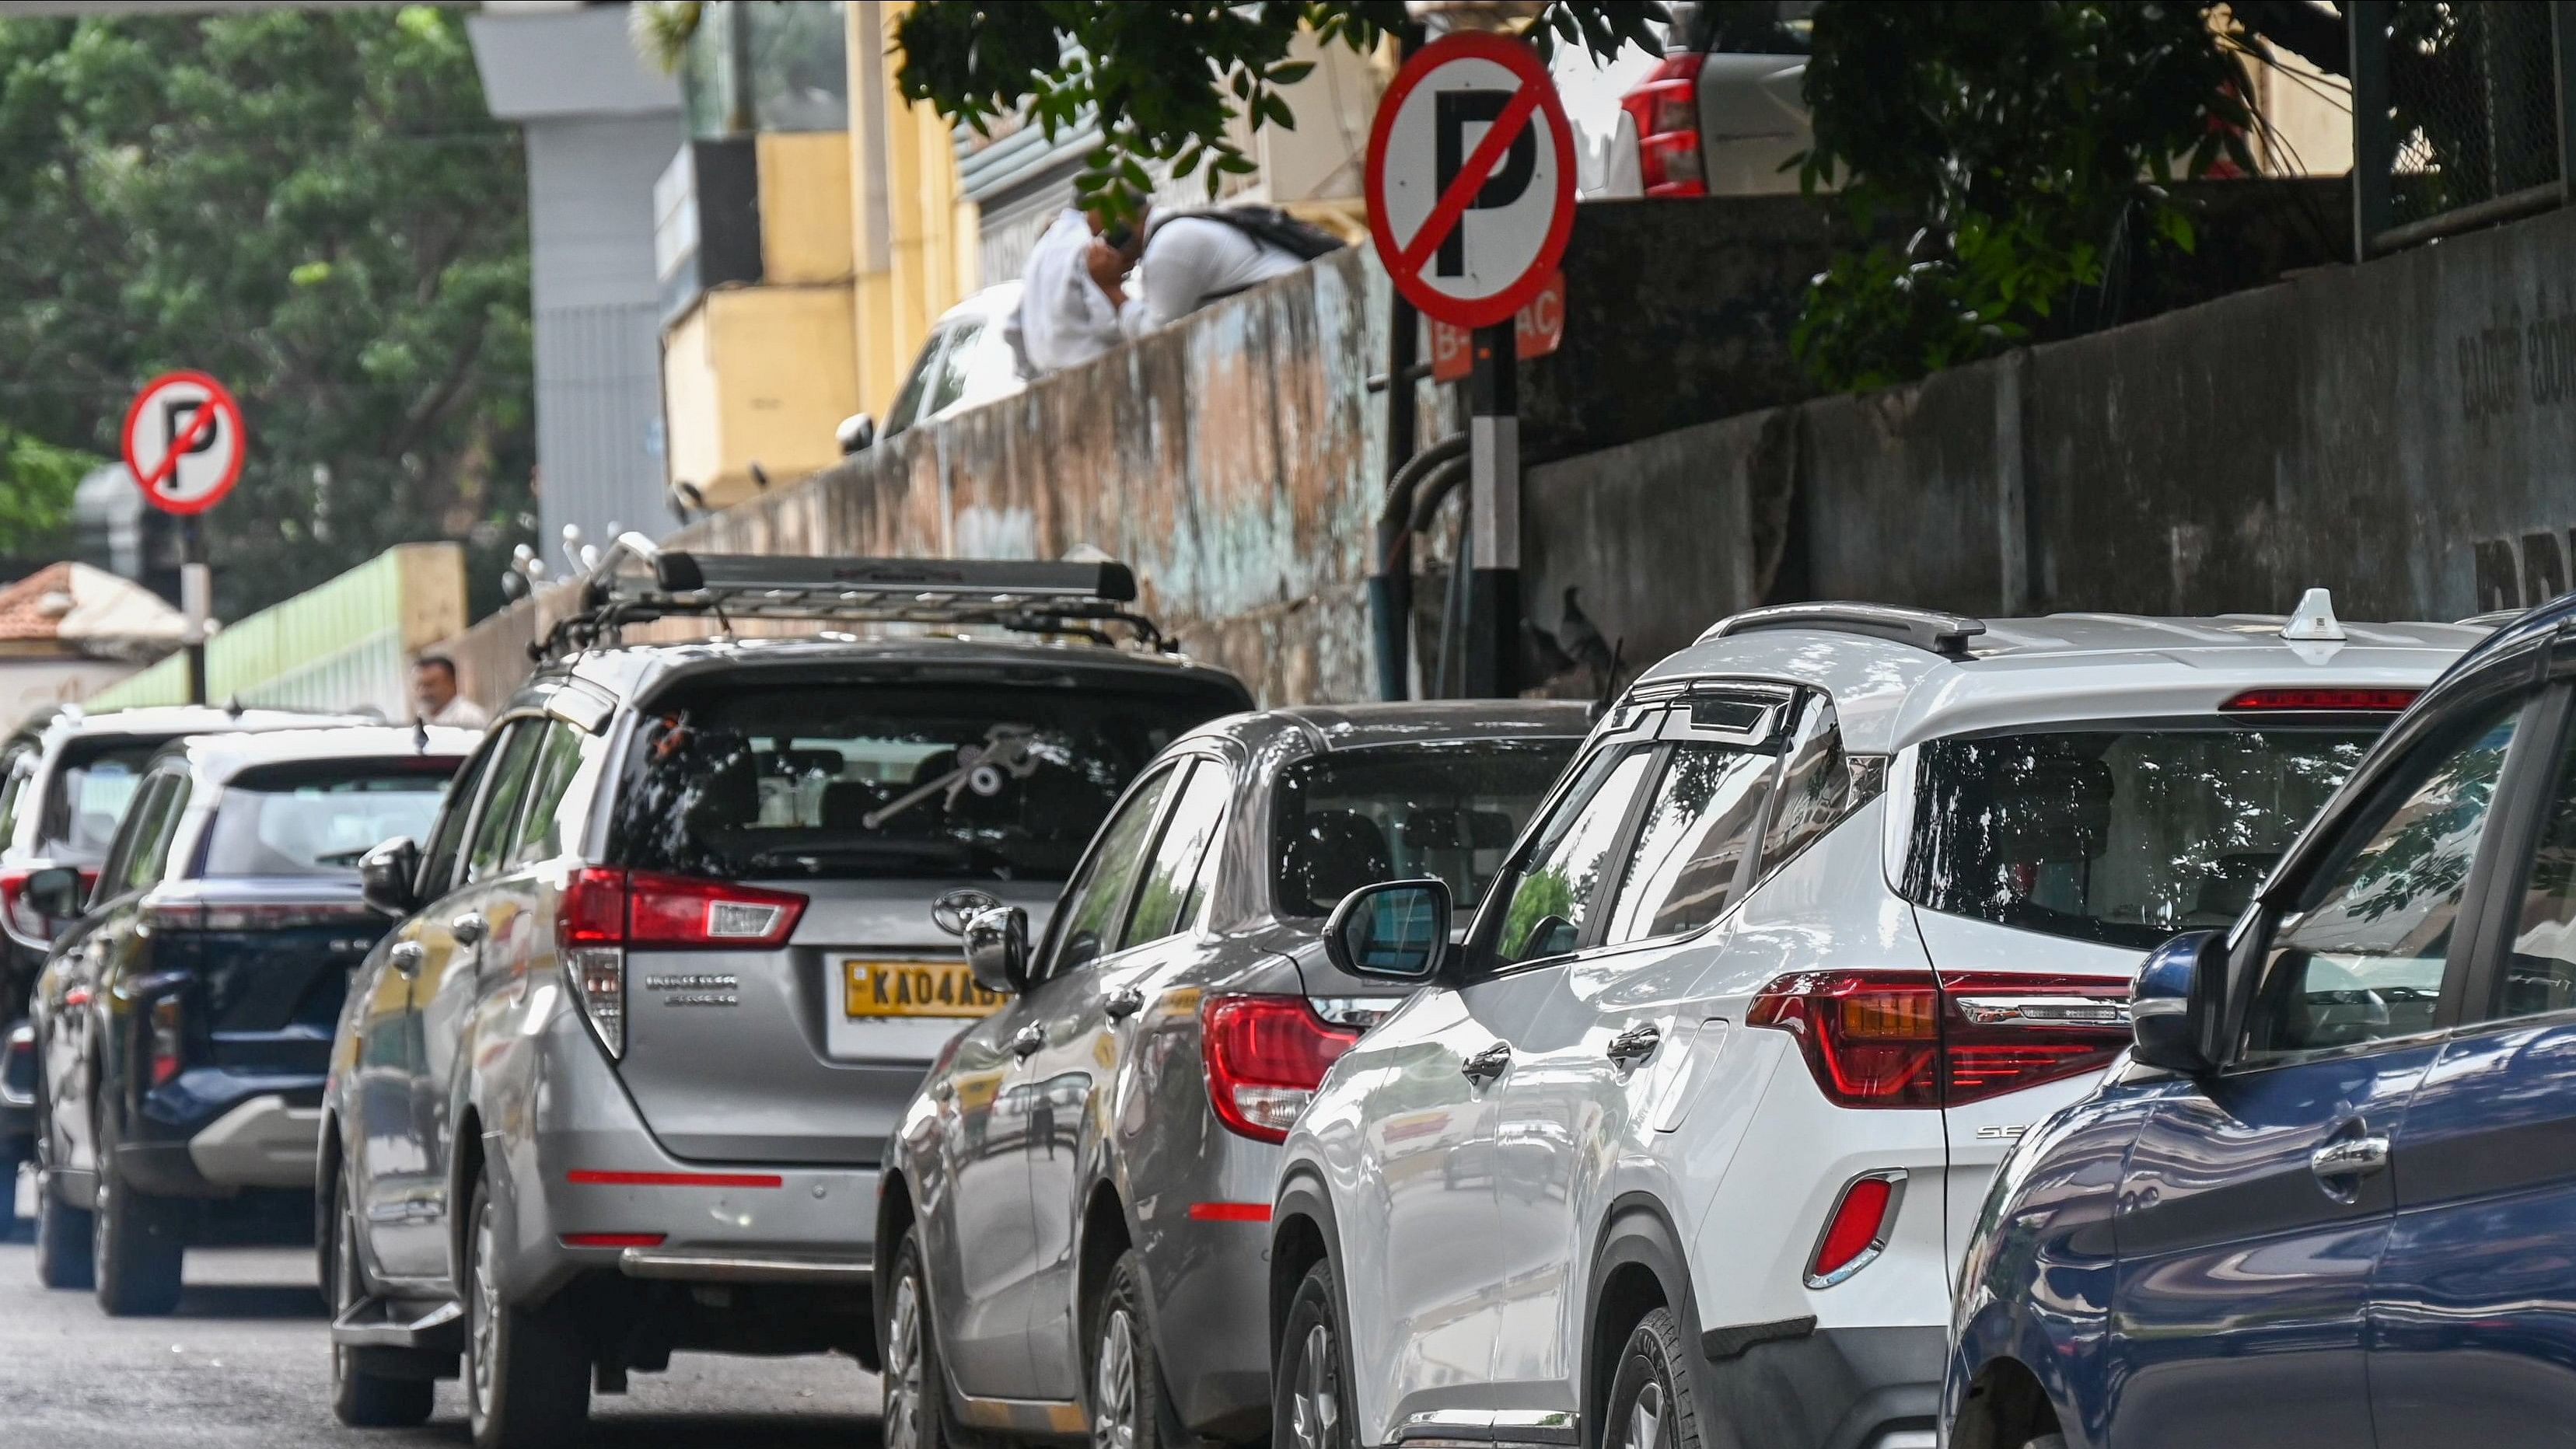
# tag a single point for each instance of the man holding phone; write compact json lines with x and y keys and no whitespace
{"x":1074,"y":287}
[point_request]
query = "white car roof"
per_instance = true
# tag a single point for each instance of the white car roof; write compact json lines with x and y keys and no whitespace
{"x":1890,"y":693}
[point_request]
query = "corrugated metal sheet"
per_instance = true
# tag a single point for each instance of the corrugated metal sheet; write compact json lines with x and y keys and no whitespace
{"x":599,"y":404}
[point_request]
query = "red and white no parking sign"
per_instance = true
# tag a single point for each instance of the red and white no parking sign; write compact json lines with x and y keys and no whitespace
{"x":184,"y":441}
{"x":1471,"y":178}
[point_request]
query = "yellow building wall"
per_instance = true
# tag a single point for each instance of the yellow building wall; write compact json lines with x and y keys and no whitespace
{"x":804,"y":206}
{"x":933,"y":237}
{"x":758,"y":374}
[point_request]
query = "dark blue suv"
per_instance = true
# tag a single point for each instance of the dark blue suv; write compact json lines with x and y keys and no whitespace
{"x":184,"y":1021}
{"x":2329,"y":1198}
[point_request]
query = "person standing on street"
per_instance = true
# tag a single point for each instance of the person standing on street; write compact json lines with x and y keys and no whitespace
{"x":434,"y":697}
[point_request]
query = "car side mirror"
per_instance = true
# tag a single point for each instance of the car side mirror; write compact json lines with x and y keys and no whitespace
{"x":55,"y":892}
{"x":1396,"y":928}
{"x":389,"y":876}
{"x":2176,"y":1005}
{"x":857,"y":433}
{"x":997,"y":949}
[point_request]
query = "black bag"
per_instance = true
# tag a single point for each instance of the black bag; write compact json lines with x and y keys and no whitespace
{"x":1269,"y":226}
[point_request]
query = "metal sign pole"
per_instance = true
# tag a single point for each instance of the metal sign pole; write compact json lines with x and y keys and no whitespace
{"x":196,"y":600}
{"x":1494,"y":515}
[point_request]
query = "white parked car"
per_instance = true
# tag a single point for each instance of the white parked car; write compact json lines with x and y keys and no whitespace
{"x":1681,"y":1144}
{"x":965,"y":362}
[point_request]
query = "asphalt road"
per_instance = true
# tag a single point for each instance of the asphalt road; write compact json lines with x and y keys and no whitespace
{"x":243,"y":1365}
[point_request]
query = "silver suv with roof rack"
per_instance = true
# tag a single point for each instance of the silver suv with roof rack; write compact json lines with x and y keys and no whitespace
{"x":1681,"y":1144}
{"x":620,"y":1080}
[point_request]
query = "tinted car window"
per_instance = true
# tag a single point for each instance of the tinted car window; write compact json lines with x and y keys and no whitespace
{"x":952,"y":367}
{"x":15,"y":772}
{"x":93,"y":785}
{"x":967,"y":781}
{"x":1555,"y":894}
{"x":558,"y":759}
{"x":447,"y":841}
{"x":1086,"y":923}
{"x":497,"y":824}
{"x":2117,"y":836}
{"x":907,"y":399}
{"x":142,"y":844}
{"x":1172,"y":891}
{"x":1691,"y":846}
{"x":2540,"y":969}
{"x":318,"y":818}
{"x":1343,"y":820}
{"x":2364,"y":960}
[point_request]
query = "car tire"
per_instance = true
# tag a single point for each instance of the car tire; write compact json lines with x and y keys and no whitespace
{"x":360,"y":1399}
{"x":136,"y":1251}
{"x":527,"y":1370}
{"x":1129,"y":1406}
{"x":1311,"y":1399}
{"x":915,"y":1413}
{"x":62,"y":1239}
{"x":1653,"y":1403}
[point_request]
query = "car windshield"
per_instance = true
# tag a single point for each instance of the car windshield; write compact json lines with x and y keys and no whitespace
{"x":318,"y":817}
{"x":975,"y":781}
{"x":2117,"y":836}
{"x":92,"y":787}
{"x":1348,"y":819}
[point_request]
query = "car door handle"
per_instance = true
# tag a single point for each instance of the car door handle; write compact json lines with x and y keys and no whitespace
{"x":1636,"y":1043}
{"x":1028,"y":1041}
{"x":2350,"y":1157}
{"x":468,"y":928}
{"x":404,"y":956}
{"x":1488,"y":1064}
{"x":1123,"y":1003}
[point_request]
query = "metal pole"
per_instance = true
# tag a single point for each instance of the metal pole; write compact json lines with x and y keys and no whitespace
{"x":2372,"y":142}
{"x":1494,"y":513}
{"x":1391,"y":585}
{"x":196,"y":600}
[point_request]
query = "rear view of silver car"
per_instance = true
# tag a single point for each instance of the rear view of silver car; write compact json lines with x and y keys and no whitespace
{"x":620,"y":1080}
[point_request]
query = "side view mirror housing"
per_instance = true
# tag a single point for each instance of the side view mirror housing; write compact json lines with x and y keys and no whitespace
{"x":857,"y":433}
{"x":997,"y":949}
{"x":2175,"y":1009}
{"x":389,"y":875}
{"x":1397,"y":929}
{"x":55,"y":892}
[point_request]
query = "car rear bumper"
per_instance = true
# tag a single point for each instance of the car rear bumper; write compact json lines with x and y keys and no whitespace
{"x":211,"y":1134}
{"x":1830,"y":1388}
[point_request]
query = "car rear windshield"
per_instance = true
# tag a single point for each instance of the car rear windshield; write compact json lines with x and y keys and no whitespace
{"x":317,"y":818}
{"x":972,"y":781}
{"x":92,"y":786}
{"x":2122,"y":836}
{"x":1342,"y":821}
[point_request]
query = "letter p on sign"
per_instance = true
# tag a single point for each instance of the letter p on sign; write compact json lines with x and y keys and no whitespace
{"x":1471,"y":178}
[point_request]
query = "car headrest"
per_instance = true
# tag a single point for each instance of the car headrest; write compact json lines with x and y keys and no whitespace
{"x":1333,"y":853}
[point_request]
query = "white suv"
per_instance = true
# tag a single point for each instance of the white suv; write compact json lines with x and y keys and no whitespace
{"x":1680,"y":1146}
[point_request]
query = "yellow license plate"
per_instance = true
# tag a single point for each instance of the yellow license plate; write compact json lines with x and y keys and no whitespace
{"x":913,"y":988}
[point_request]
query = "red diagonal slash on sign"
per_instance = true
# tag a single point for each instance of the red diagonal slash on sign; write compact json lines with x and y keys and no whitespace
{"x":200,"y":423}
{"x":1471,"y":178}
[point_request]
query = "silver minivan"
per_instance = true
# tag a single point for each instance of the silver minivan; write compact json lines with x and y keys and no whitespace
{"x":671,"y":960}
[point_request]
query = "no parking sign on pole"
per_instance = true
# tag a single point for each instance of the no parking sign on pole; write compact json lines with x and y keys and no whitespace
{"x":184,"y":443}
{"x":1471,"y":195}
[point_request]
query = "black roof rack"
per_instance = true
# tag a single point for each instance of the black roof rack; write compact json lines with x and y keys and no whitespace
{"x":1943,"y":634}
{"x":636,"y":582}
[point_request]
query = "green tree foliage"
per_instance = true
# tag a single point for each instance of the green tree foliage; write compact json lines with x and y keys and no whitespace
{"x":1183,"y":83}
{"x":1997,"y":161}
{"x":36,"y":483}
{"x":316,"y":208}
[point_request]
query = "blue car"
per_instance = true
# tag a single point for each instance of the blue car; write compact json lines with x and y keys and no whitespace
{"x":2329,"y":1196}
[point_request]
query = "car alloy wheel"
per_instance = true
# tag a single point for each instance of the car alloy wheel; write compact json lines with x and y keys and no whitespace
{"x":1651,"y":1404}
{"x":482,"y":1321}
{"x":1646,"y":1418}
{"x":902,"y":1373}
{"x":1113,"y":1384}
{"x":1314,"y":1401}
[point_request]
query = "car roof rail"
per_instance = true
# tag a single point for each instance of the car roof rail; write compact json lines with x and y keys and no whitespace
{"x":1944,"y":634}
{"x":2491,"y":619}
{"x":636,"y":581}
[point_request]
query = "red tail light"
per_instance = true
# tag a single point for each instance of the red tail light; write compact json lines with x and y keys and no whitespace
{"x":1265,"y":1057}
{"x":19,"y":915}
{"x":1857,"y":1231}
{"x":1905,"y":1039}
{"x":2384,"y":701}
{"x":168,"y":1042}
{"x":1666,"y":109}
{"x":602,"y":910}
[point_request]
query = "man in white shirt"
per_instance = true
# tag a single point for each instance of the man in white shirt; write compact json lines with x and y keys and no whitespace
{"x":1071,"y":291}
{"x":1194,"y":258}
{"x":434,"y":697}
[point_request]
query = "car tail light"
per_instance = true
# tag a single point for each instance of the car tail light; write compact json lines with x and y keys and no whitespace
{"x":286,"y":915}
{"x":31,"y":927}
{"x":1665,"y":107}
{"x":1856,"y":1231}
{"x":2383,"y":701}
{"x":1908,"y":1039}
{"x":167,"y":1040}
{"x":1265,"y":1057}
{"x":602,"y":911}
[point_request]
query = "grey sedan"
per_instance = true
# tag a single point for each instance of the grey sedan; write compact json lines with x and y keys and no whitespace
{"x":1071,"y":1215}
